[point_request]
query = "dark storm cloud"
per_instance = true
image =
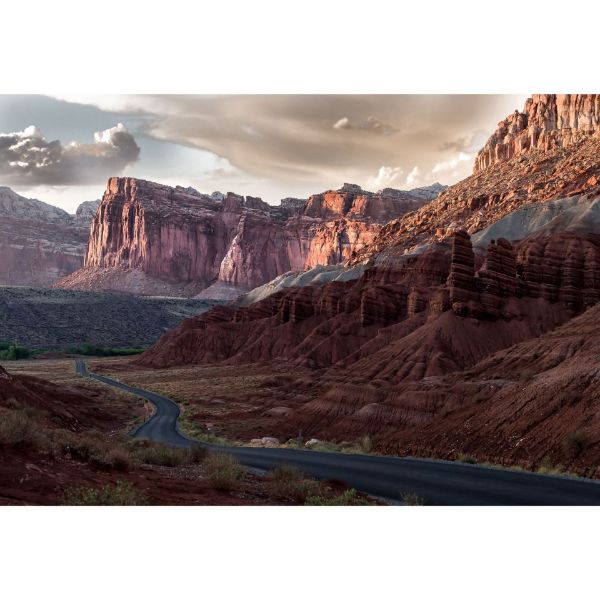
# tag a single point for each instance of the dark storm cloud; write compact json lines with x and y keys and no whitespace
{"x":28,"y":158}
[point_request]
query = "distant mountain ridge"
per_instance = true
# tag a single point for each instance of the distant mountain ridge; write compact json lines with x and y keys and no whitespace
{"x":40,"y":243}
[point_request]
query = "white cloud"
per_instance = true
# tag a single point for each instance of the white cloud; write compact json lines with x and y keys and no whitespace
{"x":108,"y":135}
{"x":343,"y":123}
{"x":413,"y":178}
{"x":386,"y":177}
{"x":451,"y":165}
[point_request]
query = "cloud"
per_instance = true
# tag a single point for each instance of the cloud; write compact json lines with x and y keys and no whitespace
{"x":467,"y":143}
{"x":370,"y":124}
{"x":451,"y":165}
{"x":454,"y":169}
{"x":301,"y":144}
{"x":386,"y":177}
{"x":343,"y":123}
{"x":413,"y":178}
{"x":28,"y":158}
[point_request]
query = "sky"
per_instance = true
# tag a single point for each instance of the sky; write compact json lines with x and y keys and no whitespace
{"x":62,"y":149}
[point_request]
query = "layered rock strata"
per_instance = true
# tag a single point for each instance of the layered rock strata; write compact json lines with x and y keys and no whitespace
{"x":522,"y":291}
{"x":181,"y":238}
{"x":40,"y":243}
{"x":548,"y":152}
{"x":548,"y":121}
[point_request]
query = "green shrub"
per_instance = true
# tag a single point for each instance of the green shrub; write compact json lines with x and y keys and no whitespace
{"x":223,"y":472}
{"x":347,"y":498}
{"x":14,"y":352}
{"x":93,"y":350}
{"x":198,"y":453}
{"x":324,"y":446}
{"x":122,"y":493}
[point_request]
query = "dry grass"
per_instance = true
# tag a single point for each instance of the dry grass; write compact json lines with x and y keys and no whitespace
{"x":233,"y":399}
{"x":122,"y":493}
{"x":412,"y":499}
{"x":287,"y":482}
{"x":166,"y":456}
{"x":107,"y":453}
{"x":466,"y":458}
{"x":18,"y":429}
{"x":223,"y":472}
{"x":346,"y":498}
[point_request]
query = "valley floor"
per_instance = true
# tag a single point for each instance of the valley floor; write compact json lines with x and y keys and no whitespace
{"x":481,"y":416}
{"x":63,"y":440}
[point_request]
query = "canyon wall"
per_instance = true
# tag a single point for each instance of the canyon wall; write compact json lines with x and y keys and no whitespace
{"x":548,"y":152}
{"x":373,"y":323}
{"x":151,"y":238}
{"x":548,"y":121}
{"x":40,"y":243}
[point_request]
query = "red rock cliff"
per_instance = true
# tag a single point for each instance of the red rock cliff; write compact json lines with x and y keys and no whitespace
{"x":179,"y":237}
{"x":548,"y":121}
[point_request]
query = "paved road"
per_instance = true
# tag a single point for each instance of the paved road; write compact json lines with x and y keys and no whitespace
{"x":438,"y":482}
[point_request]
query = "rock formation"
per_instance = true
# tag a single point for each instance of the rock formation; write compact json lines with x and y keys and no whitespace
{"x":510,"y":172}
{"x":439,"y":346}
{"x":152,"y":238}
{"x":549,"y":121}
{"x":40,"y":243}
{"x":519,"y":291}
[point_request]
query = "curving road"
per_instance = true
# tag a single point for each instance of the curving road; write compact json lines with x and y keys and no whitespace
{"x":438,"y":482}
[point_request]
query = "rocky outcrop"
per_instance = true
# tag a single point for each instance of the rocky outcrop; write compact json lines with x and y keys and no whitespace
{"x":40,"y":243}
{"x":85,"y":212}
{"x":14,"y":206}
{"x":176,"y":238}
{"x":490,"y":195}
{"x":461,"y":280}
{"x":373,"y":323}
{"x":548,"y":122}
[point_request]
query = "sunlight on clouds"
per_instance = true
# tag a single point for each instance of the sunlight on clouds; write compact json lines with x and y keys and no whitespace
{"x":413,"y":178}
{"x":386,"y":177}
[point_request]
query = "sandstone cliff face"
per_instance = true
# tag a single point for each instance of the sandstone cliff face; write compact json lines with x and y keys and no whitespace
{"x":382,"y":322}
{"x":440,"y":346}
{"x":547,"y":152}
{"x":39,"y":243}
{"x":549,"y":121}
{"x":400,"y":350}
{"x":490,"y":195}
{"x":177,"y":238}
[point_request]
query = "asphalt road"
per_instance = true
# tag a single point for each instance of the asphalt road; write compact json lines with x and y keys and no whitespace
{"x":437,"y":482}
